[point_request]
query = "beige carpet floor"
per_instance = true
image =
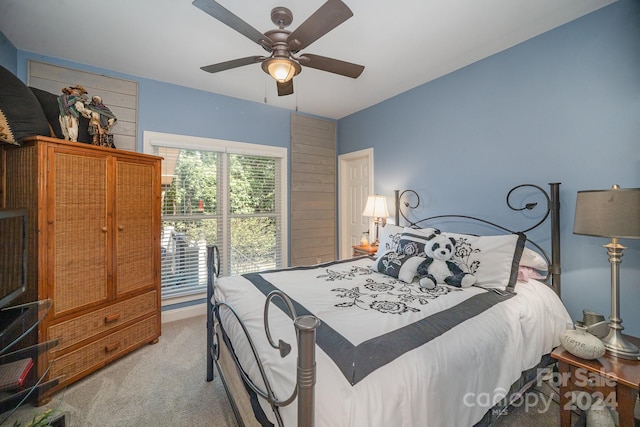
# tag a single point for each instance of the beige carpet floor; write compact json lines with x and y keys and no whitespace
{"x":164,"y":385}
{"x":158,"y":385}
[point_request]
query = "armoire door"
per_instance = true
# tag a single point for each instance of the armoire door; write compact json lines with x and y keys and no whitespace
{"x":136,"y":219}
{"x":79,"y":229}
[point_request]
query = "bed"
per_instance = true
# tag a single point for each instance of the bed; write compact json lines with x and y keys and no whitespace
{"x":359,"y":342}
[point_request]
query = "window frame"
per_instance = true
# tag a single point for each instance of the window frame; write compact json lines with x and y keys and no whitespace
{"x":159,"y":139}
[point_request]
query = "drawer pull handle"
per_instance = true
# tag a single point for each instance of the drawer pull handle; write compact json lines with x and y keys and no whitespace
{"x":111,"y":318}
{"x":591,"y":382}
{"x":104,"y":229}
{"x":111,"y":347}
{"x":121,"y":227}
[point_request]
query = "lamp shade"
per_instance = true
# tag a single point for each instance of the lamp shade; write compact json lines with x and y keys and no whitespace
{"x":376,"y":207}
{"x":281,"y":69}
{"x":608,"y":213}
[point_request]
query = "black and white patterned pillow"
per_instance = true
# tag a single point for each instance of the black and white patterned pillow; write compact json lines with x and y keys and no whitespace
{"x":389,"y":238}
{"x":413,"y":240}
{"x":402,"y":267}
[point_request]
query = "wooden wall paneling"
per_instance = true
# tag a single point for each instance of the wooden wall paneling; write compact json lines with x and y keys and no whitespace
{"x":313,"y":190}
{"x":121,"y":96}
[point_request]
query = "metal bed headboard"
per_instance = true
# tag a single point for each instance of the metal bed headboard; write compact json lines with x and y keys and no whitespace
{"x":552,"y":211}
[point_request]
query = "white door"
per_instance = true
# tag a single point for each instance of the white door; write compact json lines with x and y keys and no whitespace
{"x":355,"y":178}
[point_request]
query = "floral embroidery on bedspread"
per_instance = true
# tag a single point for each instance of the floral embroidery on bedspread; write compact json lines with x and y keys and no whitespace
{"x":390,"y":297}
{"x":333,"y":275}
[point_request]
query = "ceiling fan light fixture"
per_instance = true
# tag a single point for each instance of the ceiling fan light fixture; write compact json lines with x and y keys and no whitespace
{"x":281,"y":69}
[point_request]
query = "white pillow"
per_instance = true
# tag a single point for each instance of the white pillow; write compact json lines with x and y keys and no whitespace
{"x":533,"y":259}
{"x":493,"y":260}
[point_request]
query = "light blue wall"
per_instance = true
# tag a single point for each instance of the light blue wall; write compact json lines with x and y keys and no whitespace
{"x":8,"y":54}
{"x":175,"y":109}
{"x":562,"y":107}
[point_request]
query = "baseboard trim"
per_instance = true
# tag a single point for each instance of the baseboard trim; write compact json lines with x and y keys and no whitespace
{"x":184,"y":312}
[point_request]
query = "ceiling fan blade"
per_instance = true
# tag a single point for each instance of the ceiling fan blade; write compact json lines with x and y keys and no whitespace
{"x":235,"y":63}
{"x":285,"y":88}
{"x":228,"y":18}
{"x":331,"y":65}
{"x":330,"y":15}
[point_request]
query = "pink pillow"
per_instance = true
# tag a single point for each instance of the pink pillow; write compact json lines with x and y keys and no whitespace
{"x":526,"y":273}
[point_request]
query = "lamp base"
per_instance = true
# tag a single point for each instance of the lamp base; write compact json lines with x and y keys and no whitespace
{"x":617,"y":346}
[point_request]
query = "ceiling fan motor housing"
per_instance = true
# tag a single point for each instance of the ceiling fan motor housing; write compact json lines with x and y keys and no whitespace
{"x":281,"y":16}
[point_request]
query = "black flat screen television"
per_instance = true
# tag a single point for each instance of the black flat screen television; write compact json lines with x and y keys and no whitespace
{"x":13,"y":254}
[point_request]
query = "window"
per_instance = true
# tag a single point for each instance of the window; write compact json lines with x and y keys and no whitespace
{"x":222,"y":193}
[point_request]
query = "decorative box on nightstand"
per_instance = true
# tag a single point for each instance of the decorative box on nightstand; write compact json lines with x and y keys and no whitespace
{"x":614,"y":380}
{"x":364,"y":250}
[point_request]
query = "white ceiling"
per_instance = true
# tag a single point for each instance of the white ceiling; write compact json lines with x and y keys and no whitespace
{"x":401,"y":43}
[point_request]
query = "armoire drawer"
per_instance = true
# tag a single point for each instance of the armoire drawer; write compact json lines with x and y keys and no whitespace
{"x":104,"y":350}
{"x":80,"y":328}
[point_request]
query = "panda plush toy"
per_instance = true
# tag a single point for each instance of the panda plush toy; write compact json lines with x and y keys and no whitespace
{"x":438,"y":268}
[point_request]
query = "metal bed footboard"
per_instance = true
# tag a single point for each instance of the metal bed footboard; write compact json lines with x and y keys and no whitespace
{"x":305,"y":327}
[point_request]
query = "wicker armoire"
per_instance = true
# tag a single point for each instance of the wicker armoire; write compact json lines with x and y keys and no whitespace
{"x":93,"y":249}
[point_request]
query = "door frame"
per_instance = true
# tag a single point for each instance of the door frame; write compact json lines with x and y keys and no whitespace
{"x":344,"y":248}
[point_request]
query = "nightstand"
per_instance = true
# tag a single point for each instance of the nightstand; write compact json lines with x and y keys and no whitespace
{"x":614,"y":380}
{"x":364,"y":250}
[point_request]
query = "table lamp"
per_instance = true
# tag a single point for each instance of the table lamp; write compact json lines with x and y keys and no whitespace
{"x":377,"y":209}
{"x":615,"y":214}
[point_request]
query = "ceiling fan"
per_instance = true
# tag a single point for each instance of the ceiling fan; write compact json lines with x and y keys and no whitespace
{"x":283,"y":45}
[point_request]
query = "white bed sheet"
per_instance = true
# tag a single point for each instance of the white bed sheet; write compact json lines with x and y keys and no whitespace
{"x":451,"y":380}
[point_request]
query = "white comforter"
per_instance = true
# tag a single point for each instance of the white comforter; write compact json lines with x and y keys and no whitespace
{"x":449,"y":379}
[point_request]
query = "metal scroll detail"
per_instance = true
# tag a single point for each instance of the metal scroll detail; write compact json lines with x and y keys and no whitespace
{"x":407,"y":204}
{"x":266,"y":394}
{"x":306,"y":368}
{"x":409,"y":199}
{"x":401,"y":200}
{"x":530,"y":206}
